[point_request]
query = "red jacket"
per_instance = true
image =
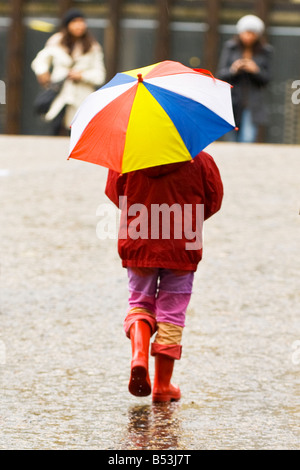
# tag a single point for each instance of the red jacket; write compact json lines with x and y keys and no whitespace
{"x":161,"y":212}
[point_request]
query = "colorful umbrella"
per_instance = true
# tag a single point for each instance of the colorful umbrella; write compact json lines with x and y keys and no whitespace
{"x":155,"y":115}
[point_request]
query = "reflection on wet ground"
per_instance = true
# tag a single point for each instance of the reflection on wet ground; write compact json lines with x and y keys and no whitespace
{"x":154,"y":426}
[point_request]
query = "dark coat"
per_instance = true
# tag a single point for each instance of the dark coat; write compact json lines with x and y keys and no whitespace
{"x":248,"y":90}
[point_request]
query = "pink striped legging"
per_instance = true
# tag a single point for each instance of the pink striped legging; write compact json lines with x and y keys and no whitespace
{"x":163,"y":292}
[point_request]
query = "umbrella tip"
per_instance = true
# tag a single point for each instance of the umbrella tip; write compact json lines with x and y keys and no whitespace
{"x":140,"y":77}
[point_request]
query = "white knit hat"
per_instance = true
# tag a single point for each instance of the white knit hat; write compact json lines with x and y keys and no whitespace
{"x":250,"y":23}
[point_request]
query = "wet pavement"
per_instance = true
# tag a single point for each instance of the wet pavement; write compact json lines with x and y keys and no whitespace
{"x":64,"y":359}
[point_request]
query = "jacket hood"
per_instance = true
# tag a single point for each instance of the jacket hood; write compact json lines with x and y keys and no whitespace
{"x":162,"y":170}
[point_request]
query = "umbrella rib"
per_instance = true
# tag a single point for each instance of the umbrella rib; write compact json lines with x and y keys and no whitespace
{"x":204,"y":93}
{"x":183,"y":111}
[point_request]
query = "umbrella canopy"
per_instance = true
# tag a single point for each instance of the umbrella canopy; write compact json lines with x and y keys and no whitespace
{"x":160,"y":114}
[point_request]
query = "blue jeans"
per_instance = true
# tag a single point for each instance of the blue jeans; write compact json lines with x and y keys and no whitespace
{"x":247,"y":132}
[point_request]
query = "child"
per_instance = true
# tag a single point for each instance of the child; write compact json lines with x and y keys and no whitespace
{"x":161,"y":259}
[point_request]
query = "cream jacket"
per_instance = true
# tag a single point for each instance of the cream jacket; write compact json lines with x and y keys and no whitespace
{"x":55,"y":58}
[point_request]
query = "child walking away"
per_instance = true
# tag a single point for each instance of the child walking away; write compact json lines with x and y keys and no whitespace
{"x":160,"y":244}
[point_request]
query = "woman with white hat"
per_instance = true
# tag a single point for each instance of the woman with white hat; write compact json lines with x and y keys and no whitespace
{"x":246,"y":63}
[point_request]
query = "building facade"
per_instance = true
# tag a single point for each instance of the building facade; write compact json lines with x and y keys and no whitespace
{"x":138,"y":33}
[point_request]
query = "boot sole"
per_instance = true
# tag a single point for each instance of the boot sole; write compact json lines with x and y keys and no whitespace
{"x":157,"y":398}
{"x":164,"y":397}
{"x":139,"y":385}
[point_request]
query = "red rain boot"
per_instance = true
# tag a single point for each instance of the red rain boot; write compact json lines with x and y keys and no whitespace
{"x":163,"y":390}
{"x":139,"y":383}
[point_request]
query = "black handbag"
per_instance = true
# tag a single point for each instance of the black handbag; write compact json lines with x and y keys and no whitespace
{"x":46,"y":97}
